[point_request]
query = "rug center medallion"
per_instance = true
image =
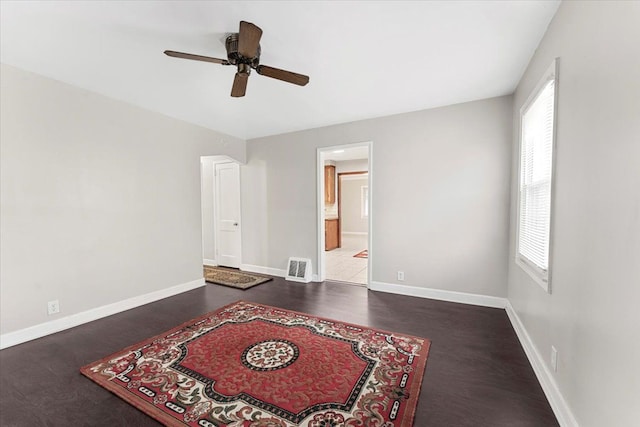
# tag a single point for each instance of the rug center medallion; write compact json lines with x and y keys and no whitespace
{"x":294,"y":372}
{"x":270,"y":355}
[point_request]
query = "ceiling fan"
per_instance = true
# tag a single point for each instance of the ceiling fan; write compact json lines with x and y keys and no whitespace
{"x":243,"y":50}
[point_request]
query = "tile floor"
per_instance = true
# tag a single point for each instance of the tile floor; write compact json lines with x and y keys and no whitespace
{"x":340,"y":265}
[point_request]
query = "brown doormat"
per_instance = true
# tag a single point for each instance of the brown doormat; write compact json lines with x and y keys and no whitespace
{"x":233,"y":278}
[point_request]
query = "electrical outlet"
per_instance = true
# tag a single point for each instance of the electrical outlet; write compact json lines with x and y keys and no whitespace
{"x":554,"y":359}
{"x":400,"y":275}
{"x":53,"y":307}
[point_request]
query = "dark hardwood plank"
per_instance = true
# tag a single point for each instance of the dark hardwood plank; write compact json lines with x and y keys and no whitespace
{"x":477,"y":373}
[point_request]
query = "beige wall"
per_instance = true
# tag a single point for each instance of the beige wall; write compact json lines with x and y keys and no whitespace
{"x":351,"y":219}
{"x":592,"y":315}
{"x":358,"y":165}
{"x":207,"y":196}
{"x":451,"y":228}
{"x":342,"y":166}
{"x":100,"y":199}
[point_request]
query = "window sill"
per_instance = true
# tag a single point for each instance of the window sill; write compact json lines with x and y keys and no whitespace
{"x":537,"y":276}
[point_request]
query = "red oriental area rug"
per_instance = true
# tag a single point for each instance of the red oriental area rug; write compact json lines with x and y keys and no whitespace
{"x":251,"y":365}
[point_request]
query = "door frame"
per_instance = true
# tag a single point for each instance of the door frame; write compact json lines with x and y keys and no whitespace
{"x":212,"y":216}
{"x":216,"y":203}
{"x":320,"y":157}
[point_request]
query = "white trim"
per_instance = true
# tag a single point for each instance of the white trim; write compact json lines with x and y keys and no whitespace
{"x":542,"y":278}
{"x":357,"y":233}
{"x":270,"y":271}
{"x":222,"y":159}
{"x":43,"y":329}
{"x":552,"y":70}
{"x":439,"y":294}
{"x":548,"y":383}
{"x":370,"y":248}
{"x":320,"y":209}
{"x":210,"y":262}
{"x":263,"y":270}
{"x":320,"y":152}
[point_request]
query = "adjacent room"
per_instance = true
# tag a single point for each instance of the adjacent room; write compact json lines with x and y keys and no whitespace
{"x":417,"y":213}
{"x":346,"y":214}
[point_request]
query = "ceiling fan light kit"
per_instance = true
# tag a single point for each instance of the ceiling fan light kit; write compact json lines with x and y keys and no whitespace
{"x":243,"y":51}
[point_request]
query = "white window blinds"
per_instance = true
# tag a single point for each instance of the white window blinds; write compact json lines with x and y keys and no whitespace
{"x":536,"y":153}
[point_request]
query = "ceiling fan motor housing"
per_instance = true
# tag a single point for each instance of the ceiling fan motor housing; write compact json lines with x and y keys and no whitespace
{"x":235,"y":58}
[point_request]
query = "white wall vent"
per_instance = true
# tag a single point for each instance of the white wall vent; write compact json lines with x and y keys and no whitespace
{"x":299,"y":270}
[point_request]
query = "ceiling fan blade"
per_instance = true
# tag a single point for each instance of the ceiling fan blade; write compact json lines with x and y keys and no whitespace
{"x":195,"y":57}
{"x":249,"y":39}
{"x":239,"y":87}
{"x":285,"y":76}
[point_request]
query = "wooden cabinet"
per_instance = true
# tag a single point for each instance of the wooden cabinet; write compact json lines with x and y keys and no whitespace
{"x":331,"y":226}
{"x":331,"y":234}
{"x":329,"y":184}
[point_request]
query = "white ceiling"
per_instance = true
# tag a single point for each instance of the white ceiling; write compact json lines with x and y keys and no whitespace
{"x":339,"y":155}
{"x":364,"y":59}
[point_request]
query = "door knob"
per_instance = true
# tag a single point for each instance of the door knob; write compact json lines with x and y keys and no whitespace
{"x":235,"y":224}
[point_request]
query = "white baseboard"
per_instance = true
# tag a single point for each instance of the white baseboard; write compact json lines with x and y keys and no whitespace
{"x":38,"y":331}
{"x":545,"y":377}
{"x":558,"y":404}
{"x":210,"y":262}
{"x":263,"y":270}
{"x":355,"y":233}
{"x":439,"y":294}
{"x":270,"y":271}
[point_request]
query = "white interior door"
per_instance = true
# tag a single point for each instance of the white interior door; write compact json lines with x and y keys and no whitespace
{"x":229,"y":241}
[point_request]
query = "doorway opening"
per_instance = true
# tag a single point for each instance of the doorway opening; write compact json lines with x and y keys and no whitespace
{"x":344,"y":213}
{"x":221,"y":211}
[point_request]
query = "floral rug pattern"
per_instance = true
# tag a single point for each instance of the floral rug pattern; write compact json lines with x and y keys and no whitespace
{"x":252,"y":365}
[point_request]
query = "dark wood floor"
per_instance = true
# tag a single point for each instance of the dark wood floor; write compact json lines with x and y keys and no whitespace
{"x":477,"y":373}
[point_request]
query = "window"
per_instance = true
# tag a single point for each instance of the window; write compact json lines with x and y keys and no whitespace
{"x":537,"y":135}
{"x":364,"y":201}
